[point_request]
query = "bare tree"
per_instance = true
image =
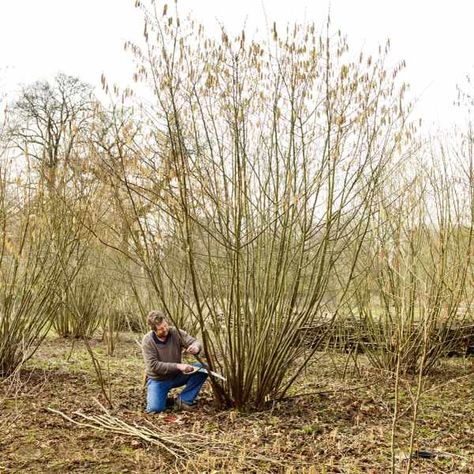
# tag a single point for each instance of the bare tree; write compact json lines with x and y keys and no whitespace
{"x":50,"y":123}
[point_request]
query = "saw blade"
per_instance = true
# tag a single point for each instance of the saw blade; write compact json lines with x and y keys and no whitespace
{"x":214,"y":374}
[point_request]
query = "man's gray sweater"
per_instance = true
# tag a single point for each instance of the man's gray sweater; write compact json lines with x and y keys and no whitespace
{"x":161,"y":358}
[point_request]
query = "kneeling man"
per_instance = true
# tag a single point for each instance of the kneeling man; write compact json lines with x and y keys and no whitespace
{"x":162,"y":354}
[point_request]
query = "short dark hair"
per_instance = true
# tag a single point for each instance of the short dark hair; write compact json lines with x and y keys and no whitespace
{"x":154,"y":318}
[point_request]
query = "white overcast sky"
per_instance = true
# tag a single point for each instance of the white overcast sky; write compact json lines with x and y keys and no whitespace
{"x":85,"y":38}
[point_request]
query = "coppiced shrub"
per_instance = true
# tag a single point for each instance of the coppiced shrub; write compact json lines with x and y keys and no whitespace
{"x":259,"y":170}
{"x":47,"y":210}
{"x":30,"y":269}
{"x":415,"y":291}
{"x":82,"y":308}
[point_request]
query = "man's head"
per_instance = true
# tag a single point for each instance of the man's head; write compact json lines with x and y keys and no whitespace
{"x":158,"y":323}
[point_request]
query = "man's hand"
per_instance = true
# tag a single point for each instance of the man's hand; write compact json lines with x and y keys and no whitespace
{"x":193,"y":349}
{"x":185,"y":368}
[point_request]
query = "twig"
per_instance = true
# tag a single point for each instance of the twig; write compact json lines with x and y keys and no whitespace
{"x":180,"y":446}
{"x":109,"y":423}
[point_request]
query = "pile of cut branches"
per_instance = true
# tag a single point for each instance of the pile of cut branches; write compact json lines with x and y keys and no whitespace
{"x":181,"y":447}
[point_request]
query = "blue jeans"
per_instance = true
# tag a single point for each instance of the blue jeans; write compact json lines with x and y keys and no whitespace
{"x":157,"y":390}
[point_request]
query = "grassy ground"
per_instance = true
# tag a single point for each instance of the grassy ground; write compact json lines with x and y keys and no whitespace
{"x":343,"y":425}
